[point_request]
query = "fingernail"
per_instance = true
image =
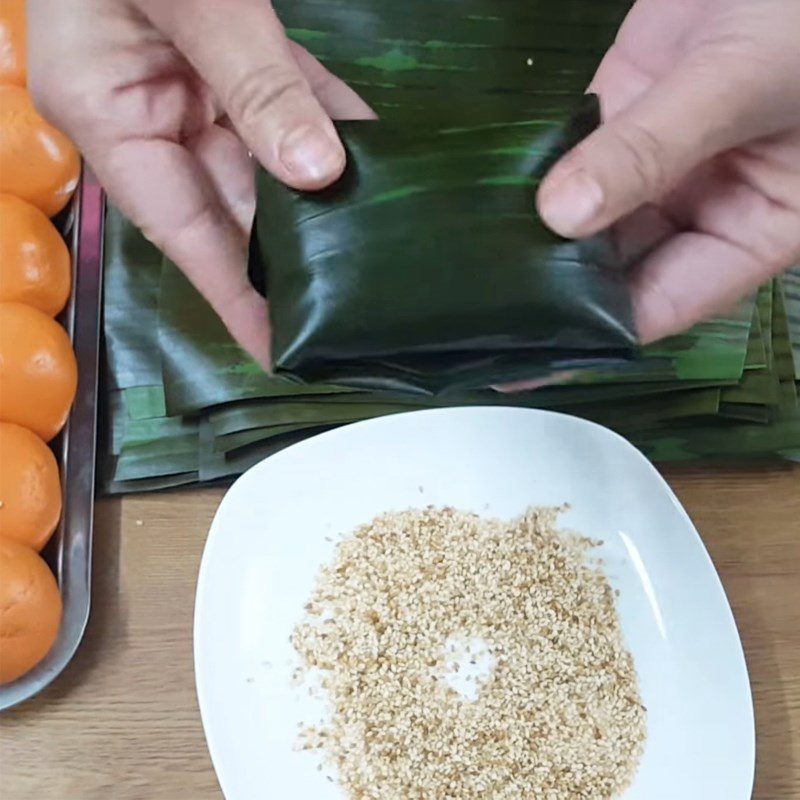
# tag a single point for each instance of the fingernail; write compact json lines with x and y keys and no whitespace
{"x":571,"y":205}
{"x":311,"y":155}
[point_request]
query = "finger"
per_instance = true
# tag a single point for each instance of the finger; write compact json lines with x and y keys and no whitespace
{"x":750,"y":198}
{"x":240,"y":49}
{"x":656,"y":32}
{"x":186,"y":220}
{"x":690,"y":278}
{"x":618,"y":84}
{"x":641,"y":233}
{"x":695,"y":113}
{"x":336,"y":97}
{"x":230,"y":169}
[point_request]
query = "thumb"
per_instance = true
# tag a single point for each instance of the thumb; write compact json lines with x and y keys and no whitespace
{"x":691,"y":115}
{"x":241,"y":51}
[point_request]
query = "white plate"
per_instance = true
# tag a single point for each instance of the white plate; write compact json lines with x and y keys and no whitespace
{"x":272,"y":531}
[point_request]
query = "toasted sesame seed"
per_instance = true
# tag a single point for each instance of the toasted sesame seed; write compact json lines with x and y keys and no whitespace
{"x":558,"y":717}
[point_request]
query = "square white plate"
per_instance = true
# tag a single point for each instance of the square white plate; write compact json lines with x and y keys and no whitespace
{"x":275,"y":528}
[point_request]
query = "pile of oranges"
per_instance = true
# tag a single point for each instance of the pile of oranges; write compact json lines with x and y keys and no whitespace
{"x":39,"y":170}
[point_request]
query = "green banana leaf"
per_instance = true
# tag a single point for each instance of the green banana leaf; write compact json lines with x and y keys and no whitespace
{"x":745,"y":412}
{"x":718,"y":440}
{"x":144,"y":402}
{"x":458,"y":61}
{"x":113,"y":435}
{"x":130,"y":322}
{"x":171,"y":455}
{"x":647,"y":413}
{"x":756,"y":356}
{"x":157,"y":433}
{"x":202,"y":365}
{"x":131,"y":430}
{"x":759,"y":385}
{"x":158,"y":484}
{"x":782,"y":349}
{"x":567,"y":397}
{"x":765,"y":311}
{"x":426,"y":268}
{"x":230,"y":420}
{"x":215,"y":466}
{"x":791,"y":288}
{"x":238,"y":425}
{"x":131,"y":383}
{"x":155,"y":447}
{"x":770,"y":387}
{"x":233,"y":426}
{"x":238,"y":440}
{"x":712,"y":350}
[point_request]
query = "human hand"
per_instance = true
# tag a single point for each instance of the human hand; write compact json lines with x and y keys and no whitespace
{"x":702,"y":140}
{"x":165,"y":99}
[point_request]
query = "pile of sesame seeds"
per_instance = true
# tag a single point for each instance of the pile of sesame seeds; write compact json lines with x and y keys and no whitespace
{"x":559,"y":715}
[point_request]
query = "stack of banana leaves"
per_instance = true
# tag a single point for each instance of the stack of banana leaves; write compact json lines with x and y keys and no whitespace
{"x":185,"y":405}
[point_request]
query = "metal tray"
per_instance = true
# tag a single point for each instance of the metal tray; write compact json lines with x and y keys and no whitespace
{"x":69,"y":552}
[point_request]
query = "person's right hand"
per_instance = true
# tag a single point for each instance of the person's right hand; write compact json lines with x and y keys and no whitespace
{"x":165,"y":98}
{"x":701,"y":102}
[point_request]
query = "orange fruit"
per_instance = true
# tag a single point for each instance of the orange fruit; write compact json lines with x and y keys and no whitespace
{"x":13,"y":47}
{"x":34,"y":259}
{"x":38,"y":372}
{"x":30,"y":489}
{"x":37,"y":162}
{"x":30,"y":609}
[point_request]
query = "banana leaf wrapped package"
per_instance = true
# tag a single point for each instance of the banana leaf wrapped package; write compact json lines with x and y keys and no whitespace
{"x":426,"y":267}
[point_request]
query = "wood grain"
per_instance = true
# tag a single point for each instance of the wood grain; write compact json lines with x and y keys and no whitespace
{"x":122,"y":721}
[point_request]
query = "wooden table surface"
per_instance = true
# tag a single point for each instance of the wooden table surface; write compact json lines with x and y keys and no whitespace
{"x":123,"y":723}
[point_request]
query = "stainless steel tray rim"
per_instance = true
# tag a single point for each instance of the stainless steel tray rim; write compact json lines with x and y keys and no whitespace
{"x":72,"y":541}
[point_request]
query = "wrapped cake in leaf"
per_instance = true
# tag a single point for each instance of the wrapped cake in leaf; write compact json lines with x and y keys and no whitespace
{"x":426,"y":267}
